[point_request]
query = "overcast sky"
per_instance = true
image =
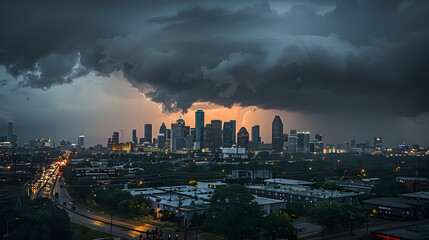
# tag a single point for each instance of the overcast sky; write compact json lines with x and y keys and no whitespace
{"x":346,"y":69}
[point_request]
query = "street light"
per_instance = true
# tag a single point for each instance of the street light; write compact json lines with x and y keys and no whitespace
{"x":7,"y":226}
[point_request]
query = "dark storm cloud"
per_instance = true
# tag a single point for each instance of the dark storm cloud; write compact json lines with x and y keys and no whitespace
{"x":368,"y":56}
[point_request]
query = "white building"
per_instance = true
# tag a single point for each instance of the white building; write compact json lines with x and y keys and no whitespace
{"x":234,"y":152}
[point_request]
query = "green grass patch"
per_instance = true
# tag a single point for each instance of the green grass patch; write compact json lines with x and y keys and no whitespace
{"x":81,"y":232}
{"x":151,"y":222}
{"x":210,"y":236}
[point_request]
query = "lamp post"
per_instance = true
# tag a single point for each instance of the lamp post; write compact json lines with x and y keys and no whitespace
{"x":7,"y":226}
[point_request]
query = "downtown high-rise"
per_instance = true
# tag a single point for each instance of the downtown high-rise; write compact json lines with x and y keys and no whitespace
{"x":135,"y":140}
{"x":217,"y":134}
{"x":199,"y":128}
{"x":277,"y":134}
{"x":148,"y":132}
{"x":81,"y":141}
{"x":228,"y":134}
{"x":10,"y":132}
{"x":256,"y":137}
{"x":243,"y":138}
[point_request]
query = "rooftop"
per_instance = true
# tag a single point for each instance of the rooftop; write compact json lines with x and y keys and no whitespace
{"x":288,"y":181}
{"x":421,"y":195}
{"x":319,"y":193}
{"x":387,"y":203}
{"x":263,"y":201}
{"x":413,"y":178}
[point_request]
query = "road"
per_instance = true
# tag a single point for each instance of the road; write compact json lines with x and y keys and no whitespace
{"x":124,"y":228}
{"x":305,"y":228}
{"x":42,"y":184}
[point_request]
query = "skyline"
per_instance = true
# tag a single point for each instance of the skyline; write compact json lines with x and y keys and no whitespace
{"x":127,"y":135}
{"x":346,"y":70}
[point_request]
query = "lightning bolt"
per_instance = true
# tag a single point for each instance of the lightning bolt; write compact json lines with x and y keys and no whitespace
{"x":245,"y":115}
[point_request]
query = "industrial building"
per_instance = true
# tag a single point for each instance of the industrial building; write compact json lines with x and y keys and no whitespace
{"x":297,"y":191}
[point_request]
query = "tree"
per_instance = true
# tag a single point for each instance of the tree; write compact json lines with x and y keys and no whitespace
{"x":40,"y":219}
{"x":328,"y":214}
{"x":389,"y":189}
{"x":278,"y":225}
{"x":332,"y":215}
{"x":233,"y":213}
{"x":110,"y":198}
{"x":132,"y":205}
{"x":197,"y":220}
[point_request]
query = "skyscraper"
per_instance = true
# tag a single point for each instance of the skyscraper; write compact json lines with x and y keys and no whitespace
{"x":163,"y":129}
{"x":378,"y":143}
{"x":199,"y":128}
{"x":177,"y":134}
{"x":277,"y":134}
{"x":187,"y":131}
{"x":10,"y":132}
{"x":292,"y":142}
{"x":285,"y":141}
{"x":161,"y":140}
{"x":227,"y":135}
{"x":81,"y":141}
{"x":243,"y":138}
{"x":217,"y":134}
{"x":167,"y":134}
{"x":208,"y":137}
{"x":303,"y":142}
{"x":256,"y":137}
{"x":234,"y":131}
{"x":115,"y":138}
{"x":318,"y":144}
{"x":135,"y":141}
{"x":193,"y":135}
{"x":148,"y":132}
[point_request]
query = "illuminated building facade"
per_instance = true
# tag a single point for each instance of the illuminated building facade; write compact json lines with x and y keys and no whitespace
{"x":303,"y":142}
{"x":228,"y":134}
{"x":217,"y":134}
{"x":277,"y":134}
{"x":81,"y":141}
{"x":256,"y":137}
{"x":243,"y":138}
{"x":378,"y":143}
{"x":199,"y":128}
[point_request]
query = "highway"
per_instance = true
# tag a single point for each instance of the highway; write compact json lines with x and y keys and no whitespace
{"x":42,"y":184}
{"x":96,"y":220}
{"x":50,"y":184}
{"x":124,"y":228}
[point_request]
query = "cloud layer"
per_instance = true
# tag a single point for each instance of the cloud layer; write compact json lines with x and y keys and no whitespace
{"x":352,"y":56}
